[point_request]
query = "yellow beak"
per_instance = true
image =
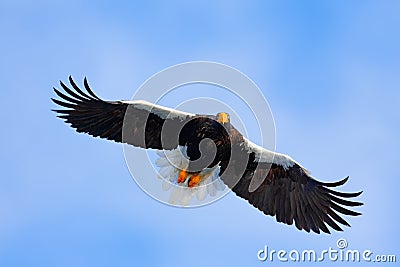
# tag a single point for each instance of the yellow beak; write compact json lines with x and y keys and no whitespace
{"x":223,"y":117}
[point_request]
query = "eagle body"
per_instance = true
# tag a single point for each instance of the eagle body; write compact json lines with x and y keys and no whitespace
{"x":202,"y":154}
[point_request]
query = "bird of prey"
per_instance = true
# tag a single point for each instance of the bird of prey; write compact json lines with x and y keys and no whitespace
{"x":272,"y":182}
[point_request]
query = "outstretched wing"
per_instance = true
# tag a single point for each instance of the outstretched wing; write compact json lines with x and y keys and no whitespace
{"x":138,"y":123}
{"x":286,"y":190}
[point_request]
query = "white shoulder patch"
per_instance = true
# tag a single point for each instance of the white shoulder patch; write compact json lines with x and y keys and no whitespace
{"x":161,"y":111}
{"x":268,"y":156}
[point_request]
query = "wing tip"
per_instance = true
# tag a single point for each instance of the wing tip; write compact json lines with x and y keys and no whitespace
{"x":335,"y":184}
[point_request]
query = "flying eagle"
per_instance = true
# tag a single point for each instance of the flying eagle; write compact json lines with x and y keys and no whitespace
{"x":272,"y":182}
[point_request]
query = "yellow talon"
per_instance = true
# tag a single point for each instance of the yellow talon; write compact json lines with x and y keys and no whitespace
{"x":194,"y":180}
{"x":182,"y":176}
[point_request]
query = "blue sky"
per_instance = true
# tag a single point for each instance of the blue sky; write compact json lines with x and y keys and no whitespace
{"x":329,"y":70}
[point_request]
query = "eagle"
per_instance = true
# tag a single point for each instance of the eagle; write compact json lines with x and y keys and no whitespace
{"x":274,"y":183}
